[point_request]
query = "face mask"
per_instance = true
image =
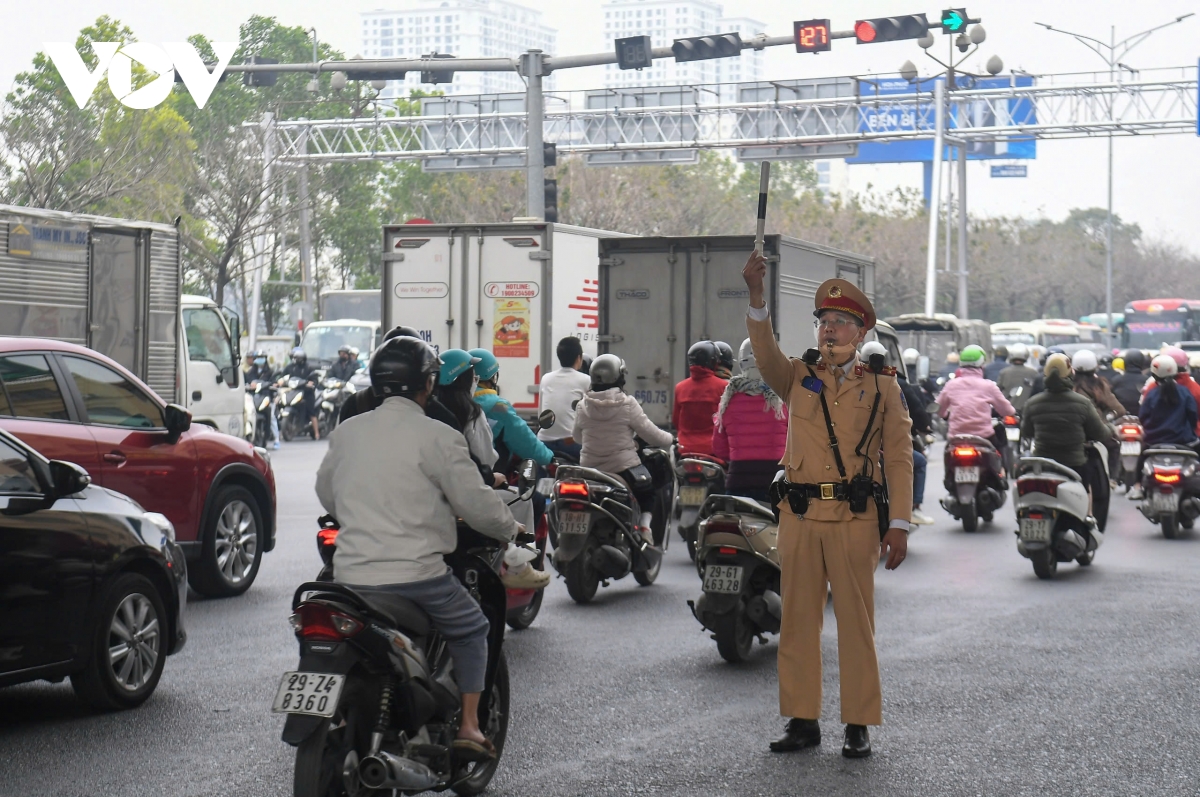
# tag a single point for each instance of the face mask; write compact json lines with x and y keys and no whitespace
{"x":261,"y":361}
{"x":837,"y":355}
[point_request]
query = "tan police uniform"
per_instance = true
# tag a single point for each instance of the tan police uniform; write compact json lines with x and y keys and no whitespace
{"x":830,"y":544}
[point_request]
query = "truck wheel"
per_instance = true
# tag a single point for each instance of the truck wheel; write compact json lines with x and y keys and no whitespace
{"x":126,"y":653}
{"x":231,"y":545}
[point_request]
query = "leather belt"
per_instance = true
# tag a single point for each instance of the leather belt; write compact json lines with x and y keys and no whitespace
{"x":827,"y":491}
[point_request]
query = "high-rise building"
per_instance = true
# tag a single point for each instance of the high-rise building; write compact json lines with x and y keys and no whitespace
{"x":465,"y":28}
{"x":667,"y":20}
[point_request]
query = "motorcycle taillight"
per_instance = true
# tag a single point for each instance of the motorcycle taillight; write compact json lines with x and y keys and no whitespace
{"x":723,"y":527}
{"x":572,"y":490}
{"x":1166,"y":475}
{"x":1131,"y":431}
{"x":327,"y":543}
{"x":1010,"y":420}
{"x":965,"y":453}
{"x":319,"y":621}
{"x":1041,"y":486}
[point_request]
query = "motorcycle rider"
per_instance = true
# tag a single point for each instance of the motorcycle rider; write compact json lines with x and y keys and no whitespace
{"x":1016,"y":381}
{"x":992,"y":370}
{"x":1108,"y":369}
{"x":607,"y":421}
{"x":300,"y":369}
{"x":345,"y":366}
{"x":697,"y":399}
{"x":1183,"y":378}
{"x":1087,"y":383}
{"x":922,"y":427}
{"x":511,"y":436}
{"x":396,"y":480}
{"x":366,"y":400}
{"x":560,"y":392}
{"x":1128,"y":386}
{"x":260,"y":371}
{"x":724,"y":359}
{"x":948,"y":369}
{"x":1168,"y":413}
{"x":1061,"y":423}
{"x":969,"y":400}
{"x":751,"y":430}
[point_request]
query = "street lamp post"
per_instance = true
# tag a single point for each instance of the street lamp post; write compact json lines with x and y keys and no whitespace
{"x":1116,"y":52}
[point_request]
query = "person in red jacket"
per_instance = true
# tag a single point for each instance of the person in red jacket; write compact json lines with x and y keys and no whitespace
{"x":697,"y":399}
{"x":751,"y":430}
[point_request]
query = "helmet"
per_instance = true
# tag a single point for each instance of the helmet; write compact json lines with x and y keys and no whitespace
{"x":724,"y":354}
{"x":1018,"y":351}
{"x":396,"y":332}
{"x":354,"y":352}
{"x":746,"y":356}
{"x":911,"y":356}
{"x":703,"y":353}
{"x":344,"y":348}
{"x":1057,"y":363}
{"x":298,"y":355}
{"x":257,"y":353}
{"x":1164,"y":366}
{"x":1135,"y":358}
{"x":1084,"y":360}
{"x":402,"y":367}
{"x":586,"y":366}
{"x":488,"y":366}
{"x":1000,"y":352}
{"x":455,"y":363}
{"x":608,"y":370}
{"x":972,"y":355}
{"x":1118,"y":364}
{"x":1178,"y":355}
{"x":873,"y":347}
{"x":1106,"y":359}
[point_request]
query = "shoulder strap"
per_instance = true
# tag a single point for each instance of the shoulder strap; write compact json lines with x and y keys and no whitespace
{"x":833,"y":441}
{"x":870,"y":421}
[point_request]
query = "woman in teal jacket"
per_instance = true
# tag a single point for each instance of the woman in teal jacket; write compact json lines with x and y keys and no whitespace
{"x":508,"y":429}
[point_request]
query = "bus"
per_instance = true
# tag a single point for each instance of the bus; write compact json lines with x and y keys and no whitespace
{"x":1042,"y":333}
{"x":1101,"y":320}
{"x":1153,"y":323}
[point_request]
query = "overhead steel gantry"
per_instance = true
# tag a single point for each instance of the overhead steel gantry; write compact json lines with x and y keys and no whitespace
{"x":1049,"y":110}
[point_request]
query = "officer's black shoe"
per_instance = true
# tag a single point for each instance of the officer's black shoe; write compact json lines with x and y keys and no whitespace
{"x":797,"y":735}
{"x":858,"y":742}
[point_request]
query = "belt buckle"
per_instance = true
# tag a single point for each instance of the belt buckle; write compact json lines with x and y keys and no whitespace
{"x":826,"y":492}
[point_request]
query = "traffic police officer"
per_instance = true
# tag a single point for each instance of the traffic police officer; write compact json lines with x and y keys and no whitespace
{"x":828,"y":532}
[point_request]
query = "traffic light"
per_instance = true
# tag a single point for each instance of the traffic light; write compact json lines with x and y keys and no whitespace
{"x":551,"y":193}
{"x":812,"y":36}
{"x":634,"y":52}
{"x":257,"y":79}
{"x":954,"y":20}
{"x":549,"y":155}
{"x":437,"y":75}
{"x":702,"y":48}
{"x":890,"y":29}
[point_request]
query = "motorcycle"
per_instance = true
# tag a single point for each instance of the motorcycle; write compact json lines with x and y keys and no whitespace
{"x":698,"y":476}
{"x":739,"y":570}
{"x":1171,"y":489}
{"x":1011,"y":426}
{"x":333,"y":394}
{"x":1131,"y":435}
{"x":979,"y":485}
{"x":262,"y":395}
{"x":290,"y":408}
{"x":594,"y":516}
{"x":1052,"y":516}
{"x":373,"y":704}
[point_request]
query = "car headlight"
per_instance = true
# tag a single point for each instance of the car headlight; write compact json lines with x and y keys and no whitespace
{"x":160,"y":522}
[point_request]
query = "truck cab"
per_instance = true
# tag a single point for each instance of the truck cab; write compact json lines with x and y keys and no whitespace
{"x":210,"y":381}
{"x":322,"y":339}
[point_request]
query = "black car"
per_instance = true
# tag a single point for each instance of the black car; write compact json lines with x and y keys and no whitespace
{"x":91,"y":586}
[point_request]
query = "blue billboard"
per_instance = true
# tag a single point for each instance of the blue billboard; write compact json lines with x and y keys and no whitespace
{"x":1020,"y":111}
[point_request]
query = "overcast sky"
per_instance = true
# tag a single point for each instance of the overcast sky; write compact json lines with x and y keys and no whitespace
{"x":1156,"y":182}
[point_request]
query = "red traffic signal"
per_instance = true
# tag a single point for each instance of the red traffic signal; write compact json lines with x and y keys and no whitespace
{"x":888,"y":29}
{"x":864,"y":31}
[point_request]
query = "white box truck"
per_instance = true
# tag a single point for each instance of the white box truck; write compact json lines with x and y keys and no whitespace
{"x":658,"y":296}
{"x":514,"y":289}
{"x":114,"y":285}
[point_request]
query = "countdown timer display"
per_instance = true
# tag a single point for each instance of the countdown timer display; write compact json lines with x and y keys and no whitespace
{"x":812,"y":36}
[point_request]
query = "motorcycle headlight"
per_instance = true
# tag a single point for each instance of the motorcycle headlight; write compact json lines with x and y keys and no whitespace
{"x":262,"y":405}
{"x":160,"y":522}
{"x":297,"y":399}
{"x":350,"y":388}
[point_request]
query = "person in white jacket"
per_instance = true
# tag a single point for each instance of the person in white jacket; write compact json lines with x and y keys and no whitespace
{"x":606,"y":422}
{"x":396,"y":480}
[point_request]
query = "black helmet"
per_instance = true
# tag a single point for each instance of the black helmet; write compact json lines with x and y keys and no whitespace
{"x":401,"y":331}
{"x":1136,"y":358}
{"x":402,"y":366}
{"x":724,"y":354}
{"x":704,"y":353}
{"x":586,"y":367}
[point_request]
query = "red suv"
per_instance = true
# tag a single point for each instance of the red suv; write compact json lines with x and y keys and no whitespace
{"x":74,"y":404}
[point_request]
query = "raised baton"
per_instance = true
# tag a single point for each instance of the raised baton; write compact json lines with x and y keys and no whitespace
{"x":764,"y":180}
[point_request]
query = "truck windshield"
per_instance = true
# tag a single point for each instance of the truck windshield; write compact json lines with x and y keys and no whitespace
{"x":207,"y":337}
{"x":322,"y":343}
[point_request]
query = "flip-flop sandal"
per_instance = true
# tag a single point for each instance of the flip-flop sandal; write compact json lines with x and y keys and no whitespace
{"x":469,"y":750}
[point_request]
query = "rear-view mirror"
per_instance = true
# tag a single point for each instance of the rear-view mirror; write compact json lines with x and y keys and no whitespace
{"x":178,"y":421}
{"x":67,"y":478}
{"x":546,"y":419}
{"x":922,"y":367}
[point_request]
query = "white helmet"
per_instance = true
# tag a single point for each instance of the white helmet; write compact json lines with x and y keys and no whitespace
{"x":873,"y":347}
{"x":911,"y":356}
{"x":1164,"y":366}
{"x":746,"y":356}
{"x":1018,"y":351}
{"x":1084,"y":360}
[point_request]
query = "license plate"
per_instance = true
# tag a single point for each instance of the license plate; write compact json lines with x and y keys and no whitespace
{"x":1036,"y":530}
{"x":1013,"y":432}
{"x":723,"y":578}
{"x":692,"y":496}
{"x":545,"y":486}
{"x":966,"y":475}
{"x":1131,"y":448}
{"x":1161,"y":503}
{"x":574,"y":522}
{"x":314,"y":693}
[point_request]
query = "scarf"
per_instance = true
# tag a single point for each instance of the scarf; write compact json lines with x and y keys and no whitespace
{"x":750,"y":384}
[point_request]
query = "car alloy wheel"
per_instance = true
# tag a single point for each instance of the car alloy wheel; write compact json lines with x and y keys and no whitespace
{"x":236,"y":541}
{"x":134,"y":642}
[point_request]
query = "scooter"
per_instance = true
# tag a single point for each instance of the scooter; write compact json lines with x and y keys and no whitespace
{"x":1171,"y":488}
{"x":1011,"y":426}
{"x":739,"y":569}
{"x":333,"y":394}
{"x":262,"y":395}
{"x":698,"y":476}
{"x":290,"y":408}
{"x":1052,"y":516}
{"x":980,"y":486}
{"x":1131,"y":435}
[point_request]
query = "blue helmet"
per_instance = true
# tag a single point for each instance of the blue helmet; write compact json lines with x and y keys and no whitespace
{"x":455,"y":363}
{"x":488,"y":366}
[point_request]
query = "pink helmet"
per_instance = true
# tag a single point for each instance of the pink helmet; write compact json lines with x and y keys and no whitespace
{"x":1178,"y":355}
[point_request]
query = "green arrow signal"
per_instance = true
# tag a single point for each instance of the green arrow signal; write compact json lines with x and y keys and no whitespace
{"x":954,"y":20}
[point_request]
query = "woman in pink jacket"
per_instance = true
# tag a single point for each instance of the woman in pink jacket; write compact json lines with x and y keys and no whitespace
{"x":750,"y":430}
{"x":968,"y":401}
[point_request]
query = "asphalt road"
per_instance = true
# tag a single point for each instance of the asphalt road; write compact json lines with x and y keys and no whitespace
{"x":994,"y":683}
